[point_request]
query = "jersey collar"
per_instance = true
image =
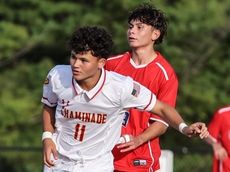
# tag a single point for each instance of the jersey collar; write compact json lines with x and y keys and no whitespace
{"x":143,"y":65}
{"x":95,"y":90}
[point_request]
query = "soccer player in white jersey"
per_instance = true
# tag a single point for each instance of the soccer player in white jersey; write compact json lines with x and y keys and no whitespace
{"x":87,"y":103}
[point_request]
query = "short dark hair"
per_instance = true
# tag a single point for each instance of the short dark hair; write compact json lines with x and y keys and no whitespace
{"x":91,"y":38}
{"x":149,"y":15}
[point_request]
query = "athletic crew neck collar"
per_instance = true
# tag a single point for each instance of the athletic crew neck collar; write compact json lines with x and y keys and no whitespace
{"x":142,"y":65}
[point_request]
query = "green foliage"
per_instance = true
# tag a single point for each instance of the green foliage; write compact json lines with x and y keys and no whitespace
{"x":13,"y":37}
{"x":194,"y":163}
{"x":196,"y":46}
{"x":21,"y":161}
{"x":20,"y":103}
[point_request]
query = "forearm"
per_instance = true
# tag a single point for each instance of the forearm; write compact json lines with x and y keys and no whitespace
{"x":210,"y":140}
{"x":155,"y":130}
{"x":219,"y":151}
{"x":48,"y":116}
{"x":168,"y":113}
{"x":49,"y":147}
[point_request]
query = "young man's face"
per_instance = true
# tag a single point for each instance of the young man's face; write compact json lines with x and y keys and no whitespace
{"x":85,"y":66}
{"x":140,"y":34}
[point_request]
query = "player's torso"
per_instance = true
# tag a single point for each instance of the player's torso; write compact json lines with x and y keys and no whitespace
{"x":225,"y":130}
{"x":225,"y":138}
{"x":150,"y":75}
{"x":87,"y":127}
{"x":84,"y":125}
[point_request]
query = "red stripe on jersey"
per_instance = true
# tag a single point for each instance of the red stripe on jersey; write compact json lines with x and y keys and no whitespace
{"x":49,"y":101}
{"x":149,"y":101}
{"x":117,"y":56}
{"x":163,"y":70}
{"x":101,"y":85}
{"x":225,"y":109}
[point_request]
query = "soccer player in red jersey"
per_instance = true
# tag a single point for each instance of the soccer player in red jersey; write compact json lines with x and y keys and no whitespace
{"x":219,"y":129}
{"x":147,"y":27}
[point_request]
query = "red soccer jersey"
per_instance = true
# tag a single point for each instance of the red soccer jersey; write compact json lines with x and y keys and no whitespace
{"x":219,"y":128}
{"x":160,"y":78}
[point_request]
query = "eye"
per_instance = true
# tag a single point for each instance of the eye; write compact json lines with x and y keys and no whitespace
{"x":140,"y":26}
{"x":130,"y":26}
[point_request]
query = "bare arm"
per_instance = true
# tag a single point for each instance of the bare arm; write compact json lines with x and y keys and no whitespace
{"x":174,"y":119}
{"x":49,"y":148}
{"x":48,"y":118}
{"x":153,"y":131}
{"x":219,"y":151}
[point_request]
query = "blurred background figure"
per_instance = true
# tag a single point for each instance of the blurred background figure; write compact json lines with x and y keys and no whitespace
{"x":219,"y":129}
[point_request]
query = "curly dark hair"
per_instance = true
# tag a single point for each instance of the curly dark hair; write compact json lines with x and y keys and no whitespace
{"x":91,"y":38}
{"x":149,"y":15}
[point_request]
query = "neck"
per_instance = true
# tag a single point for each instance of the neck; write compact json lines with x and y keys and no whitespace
{"x":143,"y":56}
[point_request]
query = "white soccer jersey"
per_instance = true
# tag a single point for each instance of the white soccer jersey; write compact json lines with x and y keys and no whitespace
{"x":88,"y":123}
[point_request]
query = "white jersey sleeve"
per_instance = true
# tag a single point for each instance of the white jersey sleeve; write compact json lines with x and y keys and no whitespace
{"x":49,"y":97}
{"x":137,"y":96}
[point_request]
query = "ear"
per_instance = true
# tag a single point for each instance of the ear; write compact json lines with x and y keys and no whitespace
{"x":155,"y":34}
{"x":101,"y":62}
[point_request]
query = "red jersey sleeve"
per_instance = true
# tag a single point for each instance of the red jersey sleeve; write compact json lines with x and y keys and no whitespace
{"x":113,"y":62}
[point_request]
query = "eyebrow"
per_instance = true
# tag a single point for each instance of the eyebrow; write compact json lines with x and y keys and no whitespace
{"x":136,"y":22}
{"x":75,"y":56}
{"x":139,"y":23}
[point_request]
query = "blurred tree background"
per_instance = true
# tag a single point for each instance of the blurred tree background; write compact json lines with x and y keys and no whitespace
{"x":33,"y":36}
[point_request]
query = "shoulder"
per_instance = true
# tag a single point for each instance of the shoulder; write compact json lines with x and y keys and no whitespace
{"x":60,"y":74}
{"x":163,"y":63}
{"x":113,"y":60}
{"x":118,"y":57}
{"x":221,"y":113}
{"x":60,"y":70}
{"x":118,"y":82}
{"x":224,"y":110}
{"x":116,"y":77}
{"x":165,"y":67}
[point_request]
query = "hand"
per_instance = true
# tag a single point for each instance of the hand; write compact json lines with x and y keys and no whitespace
{"x":219,"y":151}
{"x":49,"y":150}
{"x":196,"y":129}
{"x":132,"y":144}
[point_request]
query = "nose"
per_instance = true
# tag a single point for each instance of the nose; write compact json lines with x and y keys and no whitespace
{"x":75,"y":62}
{"x":131,"y":31}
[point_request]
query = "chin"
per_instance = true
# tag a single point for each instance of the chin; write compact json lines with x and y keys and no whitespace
{"x":133,"y":45}
{"x":77,"y":78}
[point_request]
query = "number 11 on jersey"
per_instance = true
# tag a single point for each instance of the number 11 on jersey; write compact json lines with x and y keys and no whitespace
{"x":79,"y":132}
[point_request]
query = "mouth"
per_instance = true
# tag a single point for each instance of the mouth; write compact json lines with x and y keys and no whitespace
{"x":131,"y":39}
{"x":75,"y":72}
